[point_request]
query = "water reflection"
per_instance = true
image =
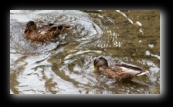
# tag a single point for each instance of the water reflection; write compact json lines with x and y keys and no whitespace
{"x":66,"y":66}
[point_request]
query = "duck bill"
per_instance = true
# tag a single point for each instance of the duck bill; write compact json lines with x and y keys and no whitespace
{"x":95,"y":69}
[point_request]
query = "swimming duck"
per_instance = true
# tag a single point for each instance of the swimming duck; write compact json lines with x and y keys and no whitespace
{"x":46,"y":32}
{"x":119,"y":71}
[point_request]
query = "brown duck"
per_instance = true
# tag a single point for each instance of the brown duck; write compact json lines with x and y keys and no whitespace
{"x":119,"y":71}
{"x":46,"y":32}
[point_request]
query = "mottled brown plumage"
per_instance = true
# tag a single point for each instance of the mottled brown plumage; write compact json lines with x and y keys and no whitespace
{"x":46,"y":32}
{"x":119,"y":71}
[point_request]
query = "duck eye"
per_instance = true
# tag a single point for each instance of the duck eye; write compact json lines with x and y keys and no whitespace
{"x":60,"y":27}
{"x":50,"y":24}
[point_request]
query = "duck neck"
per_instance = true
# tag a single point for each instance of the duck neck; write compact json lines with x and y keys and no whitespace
{"x":103,"y":67}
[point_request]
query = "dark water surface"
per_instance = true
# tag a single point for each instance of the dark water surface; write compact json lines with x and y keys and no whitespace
{"x":66,"y":66}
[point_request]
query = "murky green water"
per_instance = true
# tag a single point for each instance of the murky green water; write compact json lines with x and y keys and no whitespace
{"x":66,"y":66}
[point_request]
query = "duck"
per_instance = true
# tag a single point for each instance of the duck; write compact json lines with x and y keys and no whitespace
{"x":43,"y":33}
{"x":119,"y":71}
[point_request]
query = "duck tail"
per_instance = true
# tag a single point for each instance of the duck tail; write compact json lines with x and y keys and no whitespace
{"x":143,"y":73}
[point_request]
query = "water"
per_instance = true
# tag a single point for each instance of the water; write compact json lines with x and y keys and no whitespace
{"x":66,"y":66}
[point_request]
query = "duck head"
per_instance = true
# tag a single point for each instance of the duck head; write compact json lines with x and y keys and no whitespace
{"x":31,"y":26}
{"x":100,"y":63}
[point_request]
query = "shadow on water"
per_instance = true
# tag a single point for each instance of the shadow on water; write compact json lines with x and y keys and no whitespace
{"x":66,"y":66}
